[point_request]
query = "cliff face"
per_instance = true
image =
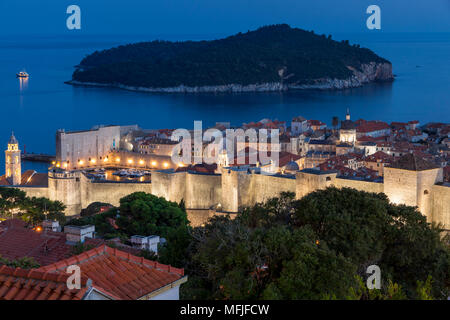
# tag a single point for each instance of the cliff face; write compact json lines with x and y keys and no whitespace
{"x":371,"y":72}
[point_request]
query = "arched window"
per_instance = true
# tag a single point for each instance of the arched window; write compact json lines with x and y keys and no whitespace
{"x":328,"y":179}
{"x":425,"y":192}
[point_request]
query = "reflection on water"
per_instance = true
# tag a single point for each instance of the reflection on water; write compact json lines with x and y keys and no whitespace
{"x":23,"y":84}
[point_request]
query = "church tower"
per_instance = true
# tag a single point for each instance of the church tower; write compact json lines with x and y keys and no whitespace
{"x":347,"y":116}
{"x":347,"y":133}
{"x":13,"y":161}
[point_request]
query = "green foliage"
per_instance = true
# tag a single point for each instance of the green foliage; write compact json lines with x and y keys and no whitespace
{"x":318,"y":247}
{"x":101,"y":222}
{"x":245,"y":58}
{"x":81,"y":247}
{"x":145,"y":214}
{"x":93,"y":208}
{"x":424,"y":289}
{"x":23,"y":263}
{"x":32,"y":210}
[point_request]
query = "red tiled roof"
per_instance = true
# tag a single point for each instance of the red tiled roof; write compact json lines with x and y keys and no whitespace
{"x":398,"y":124}
{"x":379,"y":156}
{"x":200,"y":168}
{"x":45,"y":247}
{"x":371,"y":126}
{"x":315,"y":123}
{"x":29,"y":178}
{"x":413,"y":162}
{"x":120,"y":274}
{"x":20,"y":284}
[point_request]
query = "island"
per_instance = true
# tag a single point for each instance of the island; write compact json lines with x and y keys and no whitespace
{"x":271,"y":58}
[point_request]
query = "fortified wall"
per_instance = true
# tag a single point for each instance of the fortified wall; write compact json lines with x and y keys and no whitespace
{"x":76,"y":191}
{"x":242,"y":187}
{"x":198,"y":190}
{"x":418,"y":185}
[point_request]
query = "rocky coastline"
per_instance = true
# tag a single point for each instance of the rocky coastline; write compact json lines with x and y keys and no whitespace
{"x":371,"y":72}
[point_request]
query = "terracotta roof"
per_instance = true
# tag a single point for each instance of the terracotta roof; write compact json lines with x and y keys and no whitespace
{"x":199,"y":168}
{"x":371,"y":126}
{"x":379,"y":156}
{"x":413,"y":162}
{"x":348,"y":125}
{"x":119,"y":273}
{"x":30,"y":178}
{"x":20,"y":284}
{"x":298,"y":119}
{"x":45,"y":247}
{"x":315,"y":123}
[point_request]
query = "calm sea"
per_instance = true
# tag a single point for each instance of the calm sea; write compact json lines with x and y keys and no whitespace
{"x":35,"y":109}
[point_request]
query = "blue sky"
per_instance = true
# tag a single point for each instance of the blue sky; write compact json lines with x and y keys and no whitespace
{"x":219,"y":16}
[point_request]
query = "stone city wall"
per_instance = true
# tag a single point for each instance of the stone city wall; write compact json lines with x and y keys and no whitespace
{"x":440,"y":210}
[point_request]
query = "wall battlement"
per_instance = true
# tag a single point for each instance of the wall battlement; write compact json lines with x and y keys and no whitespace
{"x":234,"y":189}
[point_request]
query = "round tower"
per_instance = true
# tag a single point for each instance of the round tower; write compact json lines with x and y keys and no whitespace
{"x":13,"y":162}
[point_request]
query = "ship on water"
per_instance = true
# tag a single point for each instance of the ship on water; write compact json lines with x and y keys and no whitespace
{"x":22,"y":74}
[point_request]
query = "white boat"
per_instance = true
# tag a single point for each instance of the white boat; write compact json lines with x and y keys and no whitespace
{"x":22,"y":74}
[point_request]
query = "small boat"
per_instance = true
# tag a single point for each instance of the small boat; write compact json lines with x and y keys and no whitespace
{"x":22,"y":74}
{"x":121,"y":173}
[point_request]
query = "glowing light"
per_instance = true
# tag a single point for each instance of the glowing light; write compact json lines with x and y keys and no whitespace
{"x":154,"y":163}
{"x":141,"y":162}
{"x":38,"y":228}
{"x":117,"y":159}
{"x":53,"y":162}
{"x":106,"y":159}
{"x":81,"y":162}
{"x":93,"y":160}
{"x":317,"y":242}
{"x":165,"y":164}
{"x":181,"y":164}
{"x":65,"y":165}
{"x":130,"y":161}
{"x":58,"y":165}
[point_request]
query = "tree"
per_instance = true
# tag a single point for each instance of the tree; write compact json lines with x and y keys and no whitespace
{"x":318,"y":247}
{"x":145,"y":214}
{"x":32,"y":210}
{"x":335,"y":122}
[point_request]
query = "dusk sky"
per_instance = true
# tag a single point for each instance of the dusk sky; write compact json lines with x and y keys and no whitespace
{"x":204,"y":17}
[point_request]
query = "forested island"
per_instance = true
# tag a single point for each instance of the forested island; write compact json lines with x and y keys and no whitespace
{"x":271,"y":58}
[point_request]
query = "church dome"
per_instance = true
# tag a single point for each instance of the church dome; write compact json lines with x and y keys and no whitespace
{"x":348,"y":125}
{"x":292,"y":166}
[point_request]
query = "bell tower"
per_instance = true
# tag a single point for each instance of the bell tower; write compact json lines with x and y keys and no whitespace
{"x":347,"y":116}
{"x":13,"y":161}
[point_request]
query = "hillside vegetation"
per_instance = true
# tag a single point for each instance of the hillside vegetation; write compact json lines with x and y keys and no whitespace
{"x":276,"y":53}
